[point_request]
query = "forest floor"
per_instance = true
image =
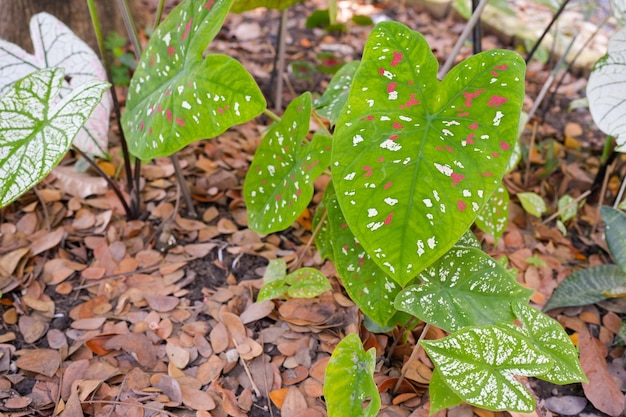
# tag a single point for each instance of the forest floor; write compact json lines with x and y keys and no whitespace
{"x":110,"y":317}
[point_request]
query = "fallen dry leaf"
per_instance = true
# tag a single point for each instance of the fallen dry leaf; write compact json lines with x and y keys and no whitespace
{"x":40,"y":361}
{"x":138,"y":344}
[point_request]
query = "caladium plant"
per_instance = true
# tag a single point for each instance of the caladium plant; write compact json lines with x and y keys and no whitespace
{"x":36,"y":130}
{"x":55,"y":45}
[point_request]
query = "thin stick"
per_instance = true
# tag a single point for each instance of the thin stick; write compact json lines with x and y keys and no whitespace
{"x":44,"y":208}
{"x":245,"y":367}
{"x":184,"y":187}
{"x":561,"y":211}
{"x":545,"y":32}
{"x":413,"y":357}
{"x":282,"y":35}
{"x":403,"y":330}
{"x":159,"y":13}
{"x":464,"y":35}
{"x":129,"y":24}
{"x":477,"y":35}
{"x":300,"y":258}
{"x":531,"y":147}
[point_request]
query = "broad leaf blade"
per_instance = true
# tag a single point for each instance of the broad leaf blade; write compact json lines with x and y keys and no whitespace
{"x":548,"y":335}
{"x":279,"y":183}
{"x":36,"y":132}
{"x":615,"y":231}
{"x":330,"y":104}
{"x":466,"y":287}
{"x":494,"y":216}
{"x":307,"y":283}
{"x":413,"y":156}
{"x":480,"y":365}
{"x":441,"y":395}
{"x":177,"y":95}
{"x":587,"y":286}
{"x":55,"y":45}
{"x":349,"y":381}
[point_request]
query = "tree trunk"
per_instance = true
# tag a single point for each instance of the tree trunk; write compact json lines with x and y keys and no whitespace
{"x":15,"y":17}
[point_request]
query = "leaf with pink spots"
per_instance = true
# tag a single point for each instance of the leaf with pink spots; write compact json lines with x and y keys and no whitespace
{"x":279,"y":183}
{"x":179,"y":93}
{"x":415,"y":159}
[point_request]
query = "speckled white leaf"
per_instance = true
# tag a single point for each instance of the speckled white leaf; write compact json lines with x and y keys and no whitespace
{"x":441,"y":395}
{"x":55,"y":45}
{"x":494,"y":216}
{"x":415,"y":159}
{"x":465,"y":287}
{"x":615,"y":232}
{"x":349,"y":387}
{"x":330,"y":104}
{"x":279,"y":183}
{"x":480,"y":365}
{"x":307,"y":283}
{"x":179,"y":92}
{"x":533,"y":203}
{"x":606,"y":90}
{"x":36,"y":129}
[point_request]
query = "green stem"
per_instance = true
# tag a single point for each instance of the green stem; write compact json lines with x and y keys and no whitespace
{"x":129,"y":24}
{"x":271,"y":115}
{"x":321,"y":123}
{"x":159,"y":13}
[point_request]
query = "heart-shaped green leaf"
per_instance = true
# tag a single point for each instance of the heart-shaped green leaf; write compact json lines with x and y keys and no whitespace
{"x":494,"y":216}
{"x":615,"y":231}
{"x":465,"y":287}
{"x":177,"y":94}
{"x":480,"y":365}
{"x":349,"y":386}
{"x":307,"y":283}
{"x":36,"y":130}
{"x":279,"y":183}
{"x":366,"y":284}
{"x":330,"y":104}
{"x":548,"y":335}
{"x":533,"y":203}
{"x":55,"y":45}
{"x":413,"y":156}
{"x":441,"y":395}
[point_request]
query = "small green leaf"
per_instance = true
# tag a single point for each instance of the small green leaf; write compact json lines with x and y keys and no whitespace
{"x":349,"y":387}
{"x":279,"y":183}
{"x":318,"y":19}
{"x":240,"y":6}
{"x":480,"y":365}
{"x":469,"y":240}
{"x":494,"y":216}
{"x":329,"y":63}
{"x":548,"y":335}
{"x":303,"y":70}
{"x":273,"y":290}
{"x":414,"y":156}
{"x":36,"y":130}
{"x":532,"y":203}
{"x":330,"y":104}
{"x":567,"y":207}
{"x":275,"y":270}
{"x":307,"y":283}
{"x":441,"y":395}
{"x":465,"y":287}
{"x":615,"y":231}
{"x":180,"y":94}
{"x":535,"y":261}
{"x":362,"y":20}
{"x":587,"y":286}
{"x":274,"y":283}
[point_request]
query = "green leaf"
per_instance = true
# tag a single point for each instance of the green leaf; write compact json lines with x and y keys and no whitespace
{"x":413,"y":156}
{"x":366,"y":284}
{"x":362,"y":20}
{"x":318,"y":19}
{"x":349,"y":387}
{"x":548,"y":335}
{"x":441,"y":395}
{"x":615,"y":231}
{"x":466,"y":287}
{"x":480,"y":365}
{"x":469,"y":240}
{"x":535,"y":261}
{"x":279,"y":183}
{"x":240,"y":6}
{"x":307,"y":283}
{"x":276,"y":270}
{"x":494,"y":216}
{"x":329,"y":63}
{"x":330,"y":104}
{"x":568,"y":206}
{"x":532,"y":203}
{"x":586,"y":286}
{"x":36,"y":130}
{"x":272,"y":290}
{"x":323,"y":239}
{"x":177,"y":94}
{"x":303,"y":70}
{"x":55,"y":45}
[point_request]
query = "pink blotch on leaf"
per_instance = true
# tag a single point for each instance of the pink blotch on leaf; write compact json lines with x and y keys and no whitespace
{"x":391,"y":87}
{"x":152,"y":60}
{"x":502,"y":67}
{"x":170,"y":51}
{"x":461,"y":205}
{"x":187,"y":29}
{"x":397,"y":57}
{"x":471,"y":96}
{"x":386,"y":186}
{"x":394,"y":137}
{"x":220,"y":110}
{"x":344,"y":225}
{"x":381,"y":159}
{"x":312,"y":165}
{"x":397,"y":125}
{"x":439,"y":148}
{"x":449,"y":149}
{"x":299,"y":108}
{"x":298,"y":192}
{"x":159,"y":108}
{"x":168,"y":92}
{"x":368,"y":118}
{"x":381,"y":71}
{"x":142,"y":125}
{"x":505,"y":146}
{"x":278,"y":197}
{"x":456,"y":178}
{"x":168,"y":114}
{"x":412,"y":102}
{"x":368,"y":171}
{"x":470,"y":138}
{"x":180,"y":122}
{"x":463,"y":114}
{"x":494,"y":73}
{"x":361,"y":261}
{"x":209,"y":4}
{"x":388,"y":219}
{"x":496,"y":101}
{"x":473,"y":126}
{"x":495,"y":154}
{"x":411,"y":82}
{"x":150,"y":130}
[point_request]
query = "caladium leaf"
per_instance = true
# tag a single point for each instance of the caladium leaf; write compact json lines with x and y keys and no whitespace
{"x":480,"y":365}
{"x":279,"y":183}
{"x":414,"y":156}
{"x":606,"y":90}
{"x":240,"y":6}
{"x":366,"y":284}
{"x":465,"y":287}
{"x":533,"y":203}
{"x":441,"y":395}
{"x":349,"y":387}
{"x":615,"y":231}
{"x":307,"y":283}
{"x":494,"y":216}
{"x":55,"y":45}
{"x":548,"y":335}
{"x":36,"y":130}
{"x":178,"y":95}
{"x":330,"y":104}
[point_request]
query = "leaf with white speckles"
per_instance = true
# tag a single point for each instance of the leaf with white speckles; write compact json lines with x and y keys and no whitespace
{"x":36,"y":130}
{"x":413,"y":156}
{"x":279,"y":183}
{"x":494,"y":216}
{"x":480,"y":365}
{"x":441,"y":395}
{"x":615,"y":231}
{"x":55,"y":45}
{"x":465,"y":287}
{"x":307,"y":283}
{"x":180,"y":94}
{"x":330,"y":104}
{"x":349,"y":387}
{"x":548,"y":335}
{"x":366,"y":284}
{"x":533,"y":203}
